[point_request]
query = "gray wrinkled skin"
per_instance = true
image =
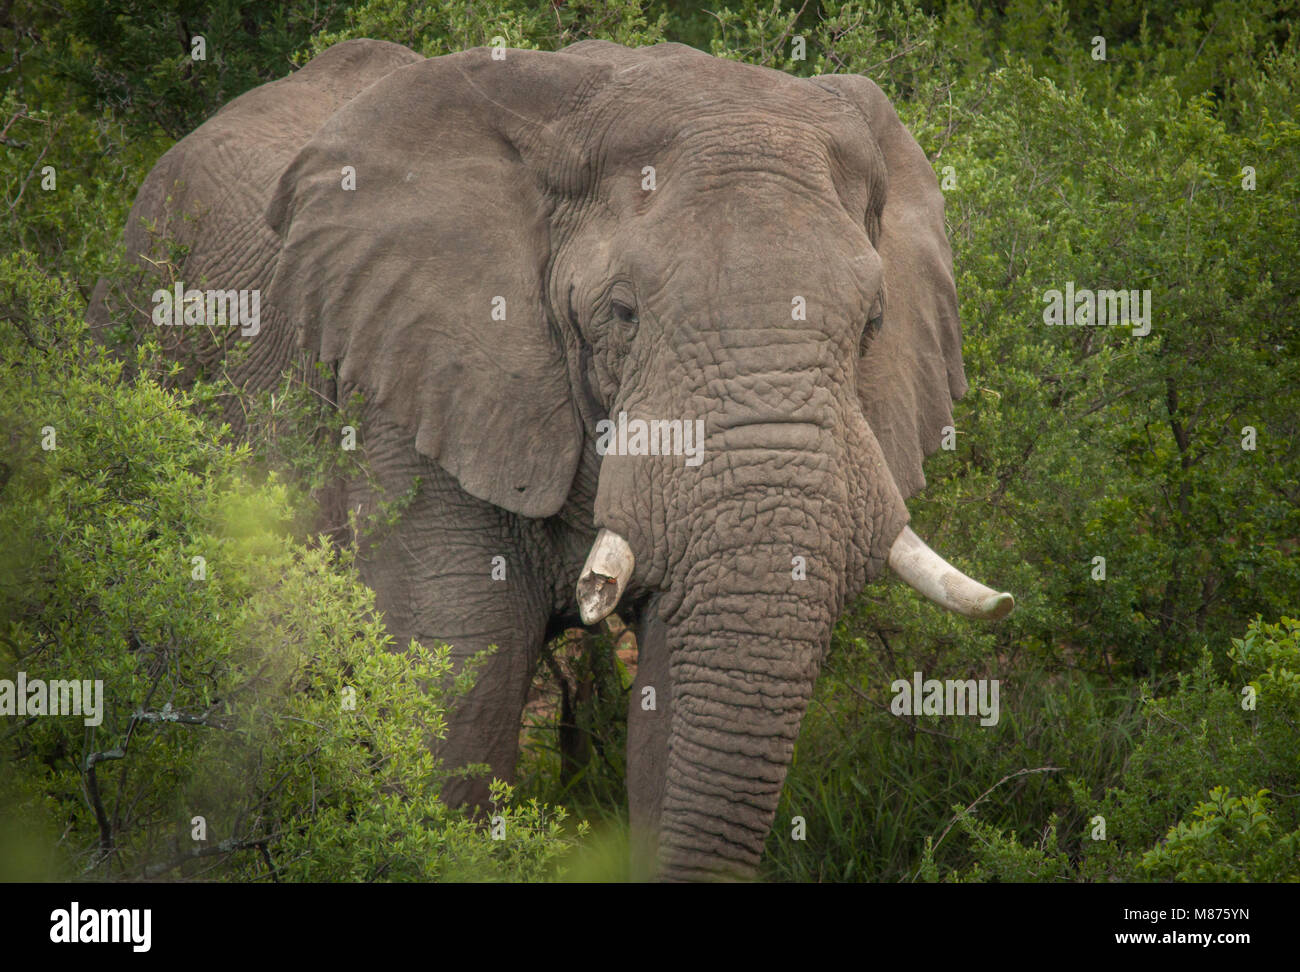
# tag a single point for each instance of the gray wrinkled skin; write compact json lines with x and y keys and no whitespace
{"x":522,"y":178}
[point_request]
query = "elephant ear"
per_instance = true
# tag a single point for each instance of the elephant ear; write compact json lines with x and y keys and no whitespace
{"x":911,"y":372}
{"x":426,"y":282}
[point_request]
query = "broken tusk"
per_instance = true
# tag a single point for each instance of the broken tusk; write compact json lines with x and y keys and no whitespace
{"x":604,"y":576}
{"x":925,"y":571}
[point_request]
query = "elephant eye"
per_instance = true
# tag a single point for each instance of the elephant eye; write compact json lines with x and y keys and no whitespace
{"x":623,"y":311}
{"x":874,"y":322}
{"x":877,"y":317}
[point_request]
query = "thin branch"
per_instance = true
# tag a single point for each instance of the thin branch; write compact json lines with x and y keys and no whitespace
{"x":168,"y":714}
{"x":780,"y":41}
{"x":225,"y":847}
{"x":880,"y":705}
{"x":97,"y":803}
{"x":35,"y":166}
{"x":980,"y":799}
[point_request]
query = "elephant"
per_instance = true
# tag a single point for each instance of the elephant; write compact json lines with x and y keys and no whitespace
{"x":648,"y":329}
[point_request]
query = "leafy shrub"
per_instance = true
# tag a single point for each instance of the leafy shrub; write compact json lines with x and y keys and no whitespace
{"x":1229,"y":839}
{"x":253,"y":688}
{"x":138,"y":60}
{"x":871,"y":786}
{"x":1173,"y":815}
{"x":446,"y":28}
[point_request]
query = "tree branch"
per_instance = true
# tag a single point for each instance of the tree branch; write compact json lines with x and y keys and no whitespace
{"x":225,"y":847}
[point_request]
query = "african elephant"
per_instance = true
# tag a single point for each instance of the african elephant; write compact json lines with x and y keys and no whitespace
{"x":532,"y":265}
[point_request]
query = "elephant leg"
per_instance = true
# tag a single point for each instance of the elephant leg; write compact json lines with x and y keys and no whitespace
{"x":647,"y":740}
{"x":456,"y":569}
{"x":483,"y":727}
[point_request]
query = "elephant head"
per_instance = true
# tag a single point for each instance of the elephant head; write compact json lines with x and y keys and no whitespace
{"x":543,"y":242}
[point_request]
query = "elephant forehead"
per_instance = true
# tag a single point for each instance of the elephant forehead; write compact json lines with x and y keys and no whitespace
{"x":753,"y":139}
{"x":733,"y":106}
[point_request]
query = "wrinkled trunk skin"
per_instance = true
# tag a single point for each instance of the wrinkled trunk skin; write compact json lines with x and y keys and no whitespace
{"x":738,"y":703}
{"x":745,"y":646}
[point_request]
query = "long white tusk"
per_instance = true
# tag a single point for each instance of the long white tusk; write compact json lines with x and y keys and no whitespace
{"x":927,"y":572}
{"x":604,"y":576}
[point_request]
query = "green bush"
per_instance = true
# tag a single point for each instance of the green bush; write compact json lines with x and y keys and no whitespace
{"x":1173,"y":816}
{"x":253,"y":688}
{"x":871,"y":786}
{"x":1229,"y":839}
{"x":446,"y":28}
{"x":138,"y":60}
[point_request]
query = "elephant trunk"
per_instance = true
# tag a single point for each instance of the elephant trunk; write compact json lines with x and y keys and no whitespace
{"x":747,"y":624}
{"x":739,"y":696}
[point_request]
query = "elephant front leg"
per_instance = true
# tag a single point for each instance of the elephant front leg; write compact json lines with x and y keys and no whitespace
{"x":454,"y":569}
{"x":483,"y":726}
{"x":649,"y":717}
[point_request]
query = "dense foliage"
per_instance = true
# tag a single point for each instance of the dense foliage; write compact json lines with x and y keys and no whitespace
{"x":250,"y":699}
{"x":1163,"y":160}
